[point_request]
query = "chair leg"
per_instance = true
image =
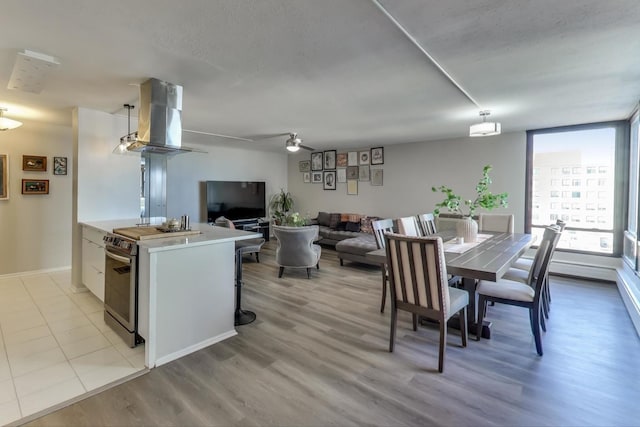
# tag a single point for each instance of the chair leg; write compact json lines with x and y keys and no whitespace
{"x":415,"y":321}
{"x":280,"y":272}
{"x":463,"y":325}
{"x":392,"y":335}
{"x":258,"y":257}
{"x":341,"y":262}
{"x":535,"y":326}
{"x":318,"y":265}
{"x":443,"y":345}
{"x":543,"y":324}
{"x":308,"y":273}
{"x":384,"y":291}
{"x":482,"y":309}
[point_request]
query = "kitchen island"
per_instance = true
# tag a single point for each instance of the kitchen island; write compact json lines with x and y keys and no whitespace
{"x":186,"y":289}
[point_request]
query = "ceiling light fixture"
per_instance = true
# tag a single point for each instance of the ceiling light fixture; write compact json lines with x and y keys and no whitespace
{"x":293,"y":143}
{"x":485,"y":128}
{"x":6,"y":123}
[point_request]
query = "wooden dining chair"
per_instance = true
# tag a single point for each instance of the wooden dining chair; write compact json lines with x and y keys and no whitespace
{"x":520,"y":294}
{"x":408,"y":226}
{"x":427,"y":224}
{"x":418,"y":283}
{"x":379,"y":228}
{"x":500,"y":223}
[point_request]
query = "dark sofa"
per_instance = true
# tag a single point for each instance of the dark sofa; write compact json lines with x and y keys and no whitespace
{"x":350,"y":234}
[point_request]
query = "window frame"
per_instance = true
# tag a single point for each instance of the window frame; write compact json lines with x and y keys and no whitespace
{"x":621,"y":186}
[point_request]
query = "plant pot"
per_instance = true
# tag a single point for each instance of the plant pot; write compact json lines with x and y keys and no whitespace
{"x":467,"y":228}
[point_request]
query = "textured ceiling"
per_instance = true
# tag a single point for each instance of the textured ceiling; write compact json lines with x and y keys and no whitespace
{"x":336,"y":71}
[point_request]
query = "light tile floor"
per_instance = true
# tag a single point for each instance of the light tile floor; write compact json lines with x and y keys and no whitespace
{"x":54,"y":345}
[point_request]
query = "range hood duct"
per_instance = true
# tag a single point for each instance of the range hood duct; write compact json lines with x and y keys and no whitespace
{"x":160,"y":119}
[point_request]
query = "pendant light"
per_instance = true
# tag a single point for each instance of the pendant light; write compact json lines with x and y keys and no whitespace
{"x":485,"y":128}
{"x":130,"y":137}
{"x":6,"y":123}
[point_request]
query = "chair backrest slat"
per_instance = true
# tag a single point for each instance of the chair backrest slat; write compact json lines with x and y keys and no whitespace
{"x":417,"y":271}
{"x":547,"y":245}
{"x":380,"y":227}
{"x":427,"y":224}
{"x":407,"y":226}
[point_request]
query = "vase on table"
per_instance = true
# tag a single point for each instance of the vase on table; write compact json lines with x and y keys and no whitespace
{"x":467,"y":228}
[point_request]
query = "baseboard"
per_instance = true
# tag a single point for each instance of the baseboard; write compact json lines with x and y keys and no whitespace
{"x":34,"y":272}
{"x":191,"y":349}
{"x":580,"y":270}
{"x":629,"y":287}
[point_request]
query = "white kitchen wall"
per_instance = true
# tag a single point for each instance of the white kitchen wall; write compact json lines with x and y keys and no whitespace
{"x":35,"y":229}
{"x":410,"y":170}
{"x":187,"y":173}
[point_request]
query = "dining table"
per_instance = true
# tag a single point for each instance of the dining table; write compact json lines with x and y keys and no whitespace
{"x":489,"y":258}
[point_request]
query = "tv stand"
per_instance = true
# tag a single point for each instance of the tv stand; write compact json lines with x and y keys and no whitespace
{"x":257,"y":224}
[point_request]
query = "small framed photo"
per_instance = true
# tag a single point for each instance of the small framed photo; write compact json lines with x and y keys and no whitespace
{"x":329,"y":180}
{"x":352,"y":172}
{"x":342,"y":175}
{"x":316,"y":161}
{"x":316,"y":177}
{"x":306,"y":177}
{"x":352,"y":159}
{"x":330,"y":159}
{"x":59,"y":165}
{"x":35,"y":186}
{"x":363,"y":173}
{"x":304,"y":166}
{"x":4,"y":177}
{"x":363,"y":157}
{"x":34,"y":163}
{"x":377,"y":156}
{"x":342,"y":160}
{"x":352,"y":187}
{"x":376,"y":177}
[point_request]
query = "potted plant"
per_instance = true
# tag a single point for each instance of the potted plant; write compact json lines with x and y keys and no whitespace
{"x":280,"y":205}
{"x":467,"y":208}
{"x":294,"y":219}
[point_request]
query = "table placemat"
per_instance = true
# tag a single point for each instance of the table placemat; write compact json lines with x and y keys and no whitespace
{"x":459,"y":248}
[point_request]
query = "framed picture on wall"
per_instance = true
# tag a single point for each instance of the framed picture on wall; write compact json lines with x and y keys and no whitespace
{"x":316,"y":161}
{"x":352,"y":187}
{"x":352,"y":172}
{"x":342,"y":161}
{"x":377,"y":156}
{"x":330,"y":159}
{"x":364,"y":157}
{"x":363,"y":173}
{"x":34,"y":163}
{"x":59,"y":165}
{"x":352,"y":159}
{"x":4,"y":177}
{"x":304,"y":166}
{"x":376,"y":177}
{"x":35,"y":186}
{"x":306,"y":177}
{"x":341,"y":175}
{"x":329,"y":180}
{"x":316,"y":177}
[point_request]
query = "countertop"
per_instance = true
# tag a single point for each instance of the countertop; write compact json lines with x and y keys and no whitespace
{"x":209,"y":234}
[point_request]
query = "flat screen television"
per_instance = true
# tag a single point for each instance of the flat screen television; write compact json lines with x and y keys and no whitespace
{"x":235,"y":200}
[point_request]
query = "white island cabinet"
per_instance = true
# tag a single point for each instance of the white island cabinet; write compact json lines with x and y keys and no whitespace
{"x":93,"y":260}
{"x":186,"y":290}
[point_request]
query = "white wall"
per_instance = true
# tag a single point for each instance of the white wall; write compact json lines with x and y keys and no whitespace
{"x":410,"y":170}
{"x":35,"y":229}
{"x":186,"y":174}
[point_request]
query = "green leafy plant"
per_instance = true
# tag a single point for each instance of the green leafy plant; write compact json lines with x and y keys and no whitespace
{"x":294,"y":219}
{"x":484,"y":198}
{"x":280,"y":205}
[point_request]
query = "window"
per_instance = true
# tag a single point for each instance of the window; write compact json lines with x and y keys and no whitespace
{"x":593,"y":149}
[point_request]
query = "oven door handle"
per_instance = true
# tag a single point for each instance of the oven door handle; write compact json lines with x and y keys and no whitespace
{"x":120,"y":258}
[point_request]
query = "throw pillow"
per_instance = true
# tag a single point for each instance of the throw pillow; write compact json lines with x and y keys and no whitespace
{"x":334,"y":220}
{"x":348,"y":217}
{"x":365,"y":224}
{"x":323,"y":219}
{"x":342,"y":226}
{"x":353,"y":226}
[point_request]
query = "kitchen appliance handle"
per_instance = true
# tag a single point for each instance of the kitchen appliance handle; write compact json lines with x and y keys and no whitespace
{"x":120,"y":258}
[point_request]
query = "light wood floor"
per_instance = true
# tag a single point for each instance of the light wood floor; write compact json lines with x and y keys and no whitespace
{"x":317,"y":355}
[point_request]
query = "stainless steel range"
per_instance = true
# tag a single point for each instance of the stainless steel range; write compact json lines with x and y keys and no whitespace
{"x":121,"y":287}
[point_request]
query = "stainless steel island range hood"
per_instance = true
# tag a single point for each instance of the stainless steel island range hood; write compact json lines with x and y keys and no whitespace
{"x":160,"y":119}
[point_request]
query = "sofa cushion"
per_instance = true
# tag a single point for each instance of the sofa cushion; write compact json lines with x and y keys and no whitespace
{"x":334,"y":220}
{"x":365,"y":224}
{"x":324,"y":231}
{"x":357,"y":245}
{"x":323,"y":218}
{"x":341,"y":235}
{"x":353,"y":226}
